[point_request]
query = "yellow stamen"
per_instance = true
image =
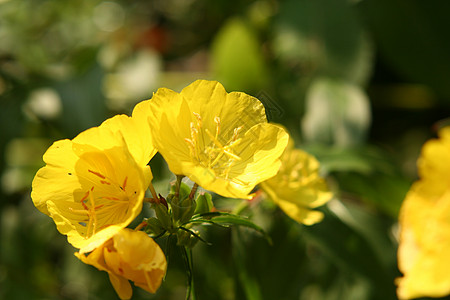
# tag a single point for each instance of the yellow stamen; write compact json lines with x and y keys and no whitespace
{"x":214,"y":154}
{"x":92,"y":225}
{"x":217,"y":121}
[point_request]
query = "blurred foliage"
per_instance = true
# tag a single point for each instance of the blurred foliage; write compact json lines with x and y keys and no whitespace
{"x":359,"y":84}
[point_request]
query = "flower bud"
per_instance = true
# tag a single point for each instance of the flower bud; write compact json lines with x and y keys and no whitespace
{"x":184,"y":238}
{"x":204,"y":203}
{"x":163,"y":215}
{"x":154,"y":227}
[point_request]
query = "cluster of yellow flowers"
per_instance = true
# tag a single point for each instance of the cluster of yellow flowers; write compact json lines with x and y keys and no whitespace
{"x":94,"y":185}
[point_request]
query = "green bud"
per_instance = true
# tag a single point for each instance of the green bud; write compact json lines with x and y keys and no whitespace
{"x":182,"y":207}
{"x":169,"y":198}
{"x":184,"y":238}
{"x":184,"y":192}
{"x":204,"y":203}
{"x":163,"y":215}
{"x":183,"y":212}
{"x":154,"y":227}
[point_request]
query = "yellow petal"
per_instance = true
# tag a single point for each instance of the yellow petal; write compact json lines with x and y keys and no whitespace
{"x":424,"y":251}
{"x":121,"y":285}
{"x":210,"y":98}
{"x":297,"y":187}
{"x":57,"y":176}
{"x":129,"y":255}
{"x":143,"y":260}
{"x":300,"y":213}
{"x":424,"y":248}
{"x":136,"y":133}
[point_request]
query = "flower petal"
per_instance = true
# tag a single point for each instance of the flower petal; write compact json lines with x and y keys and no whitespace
{"x":121,"y":285}
{"x":297,"y":187}
{"x":136,"y":133}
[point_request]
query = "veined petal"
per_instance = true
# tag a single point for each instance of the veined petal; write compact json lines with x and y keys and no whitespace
{"x":57,"y":176}
{"x":136,"y":133}
{"x":234,"y":109}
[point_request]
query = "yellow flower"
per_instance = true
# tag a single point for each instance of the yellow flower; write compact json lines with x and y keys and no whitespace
{"x":297,"y":187}
{"x":424,"y":249}
{"x":220,"y":140}
{"x":94,"y":185}
{"x":136,"y":133}
{"x":129,"y":255}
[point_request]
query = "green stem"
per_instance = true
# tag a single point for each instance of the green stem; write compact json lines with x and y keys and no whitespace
{"x":187,"y":255}
{"x":238,"y":209}
{"x":177,"y":187}
{"x":191,"y":263}
{"x":193,"y":191}
{"x":247,"y":281}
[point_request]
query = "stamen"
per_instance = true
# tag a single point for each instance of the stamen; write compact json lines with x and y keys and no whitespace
{"x":191,"y":145}
{"x":213,"y":139}
{"x":124,"y":183}
{"x":92,"y":225}
{"x":193,"y":140}
{"x":236,"y":132}
{"x":214,"y":154}
{"x":231,"y":154}
{"x":217,"y":121}
{"x":111,"y":198}
{"x":199,"y":119}
{"x":85,"y":197}
{"x":97,"y":173}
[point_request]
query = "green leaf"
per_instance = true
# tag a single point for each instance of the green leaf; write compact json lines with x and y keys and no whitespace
{"x":337,"y":113}
{"x":226,"y":220}
{"x":385,"y":191}
{"x":351,"y":249}
{"x":323,"y":37}
{"x":368,"y":172}
{"x":237,"y":59}
{"x":412,"y":37}
{"x":364,"y":159}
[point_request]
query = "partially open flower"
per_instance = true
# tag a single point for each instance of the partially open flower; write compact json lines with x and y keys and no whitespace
{"x":93,"y":186}
{"x":129,"y":255}
{"x":424,"y":249}
{"x":222,"y":141}
{"x":297,"y":188}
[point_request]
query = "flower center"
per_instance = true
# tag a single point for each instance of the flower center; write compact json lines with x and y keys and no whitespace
{"x":96,"y":207}
{"x":213,"y":151}
{"x":295,"y":170}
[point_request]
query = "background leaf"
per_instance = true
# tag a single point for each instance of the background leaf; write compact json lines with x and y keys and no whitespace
{"x":337,"y":113}
{"x":237,"y":59}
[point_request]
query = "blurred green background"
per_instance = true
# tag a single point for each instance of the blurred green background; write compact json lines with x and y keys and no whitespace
{"x":361,"y":84}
